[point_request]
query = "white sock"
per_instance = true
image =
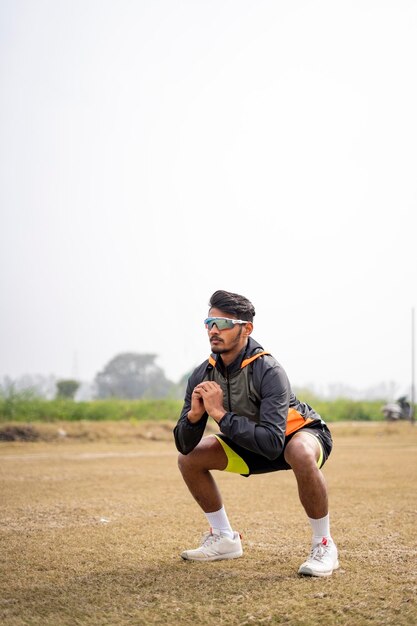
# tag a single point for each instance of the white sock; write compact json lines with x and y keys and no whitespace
{"x":321,"y":529}
{"x":219,"y":521}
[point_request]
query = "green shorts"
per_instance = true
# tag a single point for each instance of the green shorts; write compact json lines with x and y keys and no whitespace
{"x":245,"y":462}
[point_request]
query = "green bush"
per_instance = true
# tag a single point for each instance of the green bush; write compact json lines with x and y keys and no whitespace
{"x":24,"y":407}
{"x":344,"y":409}
{"x":19,"y":408}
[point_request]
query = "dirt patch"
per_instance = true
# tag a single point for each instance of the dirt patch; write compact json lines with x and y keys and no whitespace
{"x":88,"y":431}
{"x":18,"y":433}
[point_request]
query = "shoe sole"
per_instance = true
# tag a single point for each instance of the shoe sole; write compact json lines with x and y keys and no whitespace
{"x":306,"y":571}
{"x":220,"y":557}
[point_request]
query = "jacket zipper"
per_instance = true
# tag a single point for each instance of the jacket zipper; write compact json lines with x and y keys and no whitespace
{"x":228,"y":392}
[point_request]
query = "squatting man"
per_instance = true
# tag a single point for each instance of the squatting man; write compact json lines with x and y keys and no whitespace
{"x":263,"y":428}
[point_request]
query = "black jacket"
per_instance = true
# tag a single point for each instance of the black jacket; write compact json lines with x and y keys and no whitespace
{"x":265,"y":436}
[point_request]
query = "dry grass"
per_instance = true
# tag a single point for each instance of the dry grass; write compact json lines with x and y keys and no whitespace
{"x":92,"y":525}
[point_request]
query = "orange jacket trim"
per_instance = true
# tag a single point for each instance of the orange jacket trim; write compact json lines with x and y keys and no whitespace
{"x":244,"y":363}
{"x":295,"y":421}
{"x":252,"y":358}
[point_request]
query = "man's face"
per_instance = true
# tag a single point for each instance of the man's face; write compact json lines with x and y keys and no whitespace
{"x":228,"y":340}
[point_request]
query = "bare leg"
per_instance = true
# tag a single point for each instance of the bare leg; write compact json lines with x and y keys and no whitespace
{"x":195,"y":466}
{"x":219,"y":543}
{"x":302,"y":454}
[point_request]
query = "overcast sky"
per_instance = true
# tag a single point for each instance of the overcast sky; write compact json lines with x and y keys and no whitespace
{"x":154,"y":151}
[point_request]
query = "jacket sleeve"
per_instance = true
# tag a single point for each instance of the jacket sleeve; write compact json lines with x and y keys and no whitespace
{"x":267,"y":436}
{"x":186,"y":434}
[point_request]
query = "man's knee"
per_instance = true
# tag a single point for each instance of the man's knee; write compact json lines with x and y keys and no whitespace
{"x":302,"y":452}
{"x":182,"y":462}
{"x":207,"y":455}
{"x":187,"y":461}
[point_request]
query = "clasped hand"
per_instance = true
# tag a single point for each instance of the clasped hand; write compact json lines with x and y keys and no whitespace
{"x":207,"y":397}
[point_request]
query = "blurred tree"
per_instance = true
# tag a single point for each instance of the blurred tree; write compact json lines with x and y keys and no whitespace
{"x":35,"y":384}
{"x":179,"y":389}
{"x":66,"y":388}
{"x":130,"y":375}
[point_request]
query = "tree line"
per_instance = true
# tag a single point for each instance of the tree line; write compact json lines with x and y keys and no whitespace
{"x":128,"y":375}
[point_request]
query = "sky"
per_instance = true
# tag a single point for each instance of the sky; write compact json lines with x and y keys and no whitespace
{"x":155,"y":151}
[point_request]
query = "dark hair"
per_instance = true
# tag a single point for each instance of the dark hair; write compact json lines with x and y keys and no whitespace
{"x":234,"y":304}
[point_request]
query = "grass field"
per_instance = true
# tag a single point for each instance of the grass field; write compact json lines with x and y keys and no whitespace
{"x":92,"y":526}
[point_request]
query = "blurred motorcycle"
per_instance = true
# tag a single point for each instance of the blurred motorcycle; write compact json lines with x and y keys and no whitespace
{"x":399,"y":410}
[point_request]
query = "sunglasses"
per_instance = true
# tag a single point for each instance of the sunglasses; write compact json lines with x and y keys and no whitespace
{"x":222,"y":323}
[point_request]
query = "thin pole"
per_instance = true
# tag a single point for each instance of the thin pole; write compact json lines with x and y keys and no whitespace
{"x":412,"y":410}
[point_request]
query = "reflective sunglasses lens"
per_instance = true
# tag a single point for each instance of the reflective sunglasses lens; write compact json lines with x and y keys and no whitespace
{"x":221,"y":324}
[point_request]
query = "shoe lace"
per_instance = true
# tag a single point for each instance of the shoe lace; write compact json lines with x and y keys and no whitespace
{"x":318,"y":552}
{"x":208,"y":539}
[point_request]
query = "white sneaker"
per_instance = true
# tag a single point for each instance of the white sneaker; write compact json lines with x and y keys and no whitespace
{"x":214,"y":547}
{"x":322,"y":561}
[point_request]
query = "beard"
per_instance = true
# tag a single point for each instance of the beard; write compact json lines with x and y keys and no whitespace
{"x":220,"y":348}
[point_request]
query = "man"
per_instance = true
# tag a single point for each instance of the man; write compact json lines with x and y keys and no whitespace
{"x":263,"y":428}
